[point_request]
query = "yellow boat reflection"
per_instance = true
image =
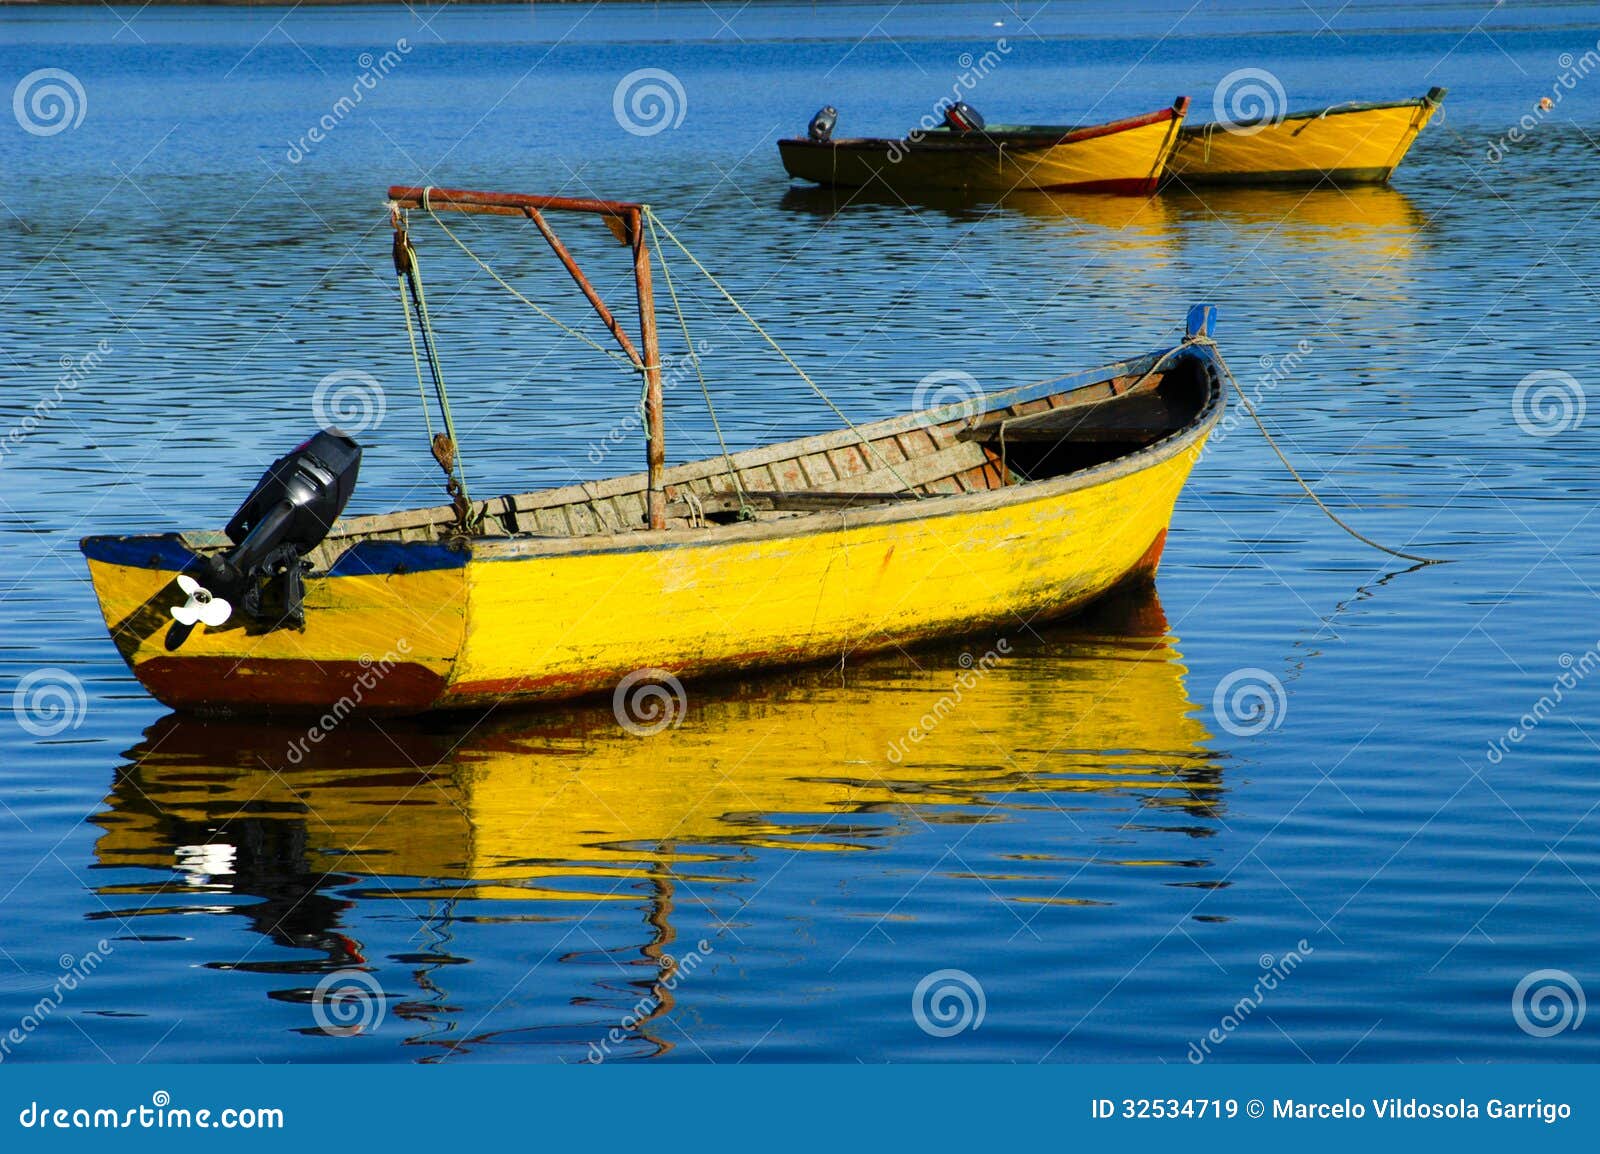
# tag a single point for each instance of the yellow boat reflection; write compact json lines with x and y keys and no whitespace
{"x":1357,"y":242}
{"x":1087,"y":725}
{"x":505,"y":807}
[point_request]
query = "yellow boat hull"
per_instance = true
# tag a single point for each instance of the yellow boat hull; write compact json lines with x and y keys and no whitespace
{"x":402,"y":623}
{"x":562,"y":624}
{"x":1340,"y":145}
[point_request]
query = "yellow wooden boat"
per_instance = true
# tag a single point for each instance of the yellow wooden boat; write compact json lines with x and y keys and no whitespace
{"x":1123,"y":156}
{"x":1350,"y":143}
{"x":1026,"y":502}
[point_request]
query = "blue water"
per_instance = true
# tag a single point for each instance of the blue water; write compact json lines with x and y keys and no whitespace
{"x":1101,"y":847}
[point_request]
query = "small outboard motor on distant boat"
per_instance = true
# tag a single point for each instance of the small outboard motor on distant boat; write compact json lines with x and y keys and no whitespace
{"x":822,"y":123}
{"x":962,"y":117}
{"x":288,"y":513}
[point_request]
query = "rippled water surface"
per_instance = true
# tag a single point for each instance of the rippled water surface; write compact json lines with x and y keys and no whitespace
{"x":1111,"y":856}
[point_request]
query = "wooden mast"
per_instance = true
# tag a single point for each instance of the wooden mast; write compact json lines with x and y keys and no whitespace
{"x":627,"y":221}
{"x":656,"y":446}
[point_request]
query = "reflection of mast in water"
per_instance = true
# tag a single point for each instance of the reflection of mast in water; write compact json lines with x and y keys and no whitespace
{"x":562,"y":806}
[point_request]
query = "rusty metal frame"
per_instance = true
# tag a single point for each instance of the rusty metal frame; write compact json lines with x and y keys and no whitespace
{"x":626,"y":221}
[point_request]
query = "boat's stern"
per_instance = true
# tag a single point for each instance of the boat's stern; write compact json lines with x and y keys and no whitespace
{"x":383,"y":625}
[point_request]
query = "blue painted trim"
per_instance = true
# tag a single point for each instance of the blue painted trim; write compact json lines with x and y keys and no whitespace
{"x":1200,"y":321}
{"x":166,"y":551}
{"x":381,"y":558}
{"x":159,"y":551}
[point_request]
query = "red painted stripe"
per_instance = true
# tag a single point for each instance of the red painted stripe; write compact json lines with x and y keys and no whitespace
{"x":290,"y":686}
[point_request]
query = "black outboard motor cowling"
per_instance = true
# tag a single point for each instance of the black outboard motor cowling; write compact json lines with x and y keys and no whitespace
{"x":822,"y":123}
{"x":288,"y":513}
{"x":962,"y":117}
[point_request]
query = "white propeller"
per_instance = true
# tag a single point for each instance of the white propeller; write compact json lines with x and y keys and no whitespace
{"x":201,"y":608}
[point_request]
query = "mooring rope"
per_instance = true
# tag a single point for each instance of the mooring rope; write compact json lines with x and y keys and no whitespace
{"x":1293,"y":472}
{"x":793,"y":364}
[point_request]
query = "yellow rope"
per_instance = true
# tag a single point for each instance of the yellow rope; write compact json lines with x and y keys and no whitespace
{"x":755,"y":324}
{"x":1332,"y":516}
{"x":666,"y":273}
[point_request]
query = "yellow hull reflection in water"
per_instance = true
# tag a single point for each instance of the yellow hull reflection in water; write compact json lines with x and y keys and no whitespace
{"x":523,"y":797}
{"x":1084,"y":728}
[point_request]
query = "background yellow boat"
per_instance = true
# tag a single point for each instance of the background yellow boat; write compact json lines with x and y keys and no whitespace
{"x":1345,"y":144}
{"x":1124,"y":156}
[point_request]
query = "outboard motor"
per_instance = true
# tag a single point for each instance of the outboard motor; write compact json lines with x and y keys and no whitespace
{"x":962,"y":117}
{"x":288,"y":513}
{"x":822,"y":123}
